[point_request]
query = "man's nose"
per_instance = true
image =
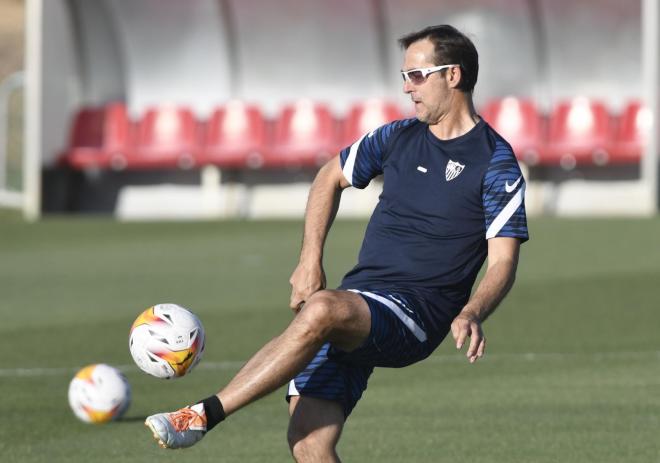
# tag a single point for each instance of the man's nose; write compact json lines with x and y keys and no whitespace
{"x":407,"y":86}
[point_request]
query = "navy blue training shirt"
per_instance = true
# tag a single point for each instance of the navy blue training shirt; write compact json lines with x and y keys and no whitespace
{"x":441,"y":201}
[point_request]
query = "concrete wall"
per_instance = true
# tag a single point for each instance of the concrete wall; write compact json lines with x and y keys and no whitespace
{"x":172,"y":51}
{"x":61,"y":78}
{"x":594,"y":49}
{"x":202,"y":53}
{"x":101,"y":61}
{"x":198,"y":53}
{"x":290,"y":49}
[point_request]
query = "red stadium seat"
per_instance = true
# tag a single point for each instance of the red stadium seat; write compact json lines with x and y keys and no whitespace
{"x":100,"y":138}
{"x":580,"y":133}
{"x":631,"y":134}
{"x":167,"y":137}
{"x":365,"y":116}
{"x":235,"y":136}
{"x":304,"y":136}
{"x":519,"y":122}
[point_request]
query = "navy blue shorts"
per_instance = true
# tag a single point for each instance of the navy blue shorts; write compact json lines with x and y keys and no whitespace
{"x":397,"y":339}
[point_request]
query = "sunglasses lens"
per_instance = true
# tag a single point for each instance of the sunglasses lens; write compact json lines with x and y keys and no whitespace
{"x":416,"y":77}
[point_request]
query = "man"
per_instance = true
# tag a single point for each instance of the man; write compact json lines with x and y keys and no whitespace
{"x":452,"y":195}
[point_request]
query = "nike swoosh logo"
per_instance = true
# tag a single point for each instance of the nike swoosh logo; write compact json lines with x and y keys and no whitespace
{"x":510,"y":188}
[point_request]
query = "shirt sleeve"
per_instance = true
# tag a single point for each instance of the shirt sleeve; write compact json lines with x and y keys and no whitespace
{"x":504,"y":196}
{"x":363,"y":160}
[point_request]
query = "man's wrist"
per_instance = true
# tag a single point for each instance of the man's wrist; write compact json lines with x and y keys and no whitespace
{"x":471,"y":312}
{"x":311,"y":260}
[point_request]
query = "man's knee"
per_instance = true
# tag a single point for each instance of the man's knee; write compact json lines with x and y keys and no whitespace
{"x":314,"y":429}
{"x":340,"y":317}
{"x":311,"y":449}
{"x":322,"y":307}
{"x":316,"y":319}
{"x":300,"y":442}
{"x":310,"y":445}
{"x":333,"y":308}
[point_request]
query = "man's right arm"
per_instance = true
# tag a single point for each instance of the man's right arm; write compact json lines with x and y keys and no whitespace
{"x":322,"y":206}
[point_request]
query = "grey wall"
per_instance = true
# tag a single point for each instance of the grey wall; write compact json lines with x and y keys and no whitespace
{"x":153,"y":52}
{"x":326,"y":50}
{"x":173,"y":52}
{"x":594,"y":49}
{"x":100,"y":57}
{"x":61,"y":78}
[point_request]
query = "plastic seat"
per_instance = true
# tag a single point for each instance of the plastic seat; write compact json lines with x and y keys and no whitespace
{"x":167,"y":137}
{"x":519,"y":122}
{"x":305,"y":135}
{"x":366,"y":116}
{"x":100,"y":138}
{"x":235,"y":137}
{"x":631,"y":134}
{"x":580,"y":133}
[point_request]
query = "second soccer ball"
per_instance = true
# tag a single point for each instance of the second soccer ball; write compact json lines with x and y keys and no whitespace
{"x":99,"y":393}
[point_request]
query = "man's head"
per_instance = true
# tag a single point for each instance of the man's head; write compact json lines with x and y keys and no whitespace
{"x":432,"y":89}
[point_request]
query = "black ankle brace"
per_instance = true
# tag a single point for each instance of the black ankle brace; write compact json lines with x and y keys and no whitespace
{"x":214,"y":411}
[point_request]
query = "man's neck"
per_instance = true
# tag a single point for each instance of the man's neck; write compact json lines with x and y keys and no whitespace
{"x":459,"y":120}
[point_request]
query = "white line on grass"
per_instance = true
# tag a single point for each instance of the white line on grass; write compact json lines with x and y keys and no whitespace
{"x":16,"y":372}
{"x":438,"y":358}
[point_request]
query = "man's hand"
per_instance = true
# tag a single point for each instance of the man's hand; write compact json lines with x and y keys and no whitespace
{"x":467,"y":325}
{"x":305,"y":280}
{"x":496,"y":283}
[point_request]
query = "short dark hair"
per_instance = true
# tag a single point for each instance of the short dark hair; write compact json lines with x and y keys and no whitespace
{"x":451,"y":47}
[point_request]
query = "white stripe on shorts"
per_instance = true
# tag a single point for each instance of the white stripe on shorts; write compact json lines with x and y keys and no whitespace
{"x":419,"y":333}
{"x":292,"y":388}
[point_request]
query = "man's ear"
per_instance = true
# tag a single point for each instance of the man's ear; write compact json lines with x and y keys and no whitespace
{"x":454,"y":75}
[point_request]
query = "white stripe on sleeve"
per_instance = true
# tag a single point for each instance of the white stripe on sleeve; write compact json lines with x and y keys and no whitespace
{"x":506,"y":213}
{"x":349,"y":165}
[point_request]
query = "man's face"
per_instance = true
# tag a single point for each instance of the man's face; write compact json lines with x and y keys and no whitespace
{"x":431,"y":97}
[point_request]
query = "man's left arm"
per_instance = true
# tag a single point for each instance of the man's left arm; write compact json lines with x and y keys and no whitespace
{"x":494,"y":286}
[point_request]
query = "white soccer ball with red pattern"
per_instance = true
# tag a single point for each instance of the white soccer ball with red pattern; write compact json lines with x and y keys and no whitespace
{"x":167,"y":341}
{"x":99,"y":393}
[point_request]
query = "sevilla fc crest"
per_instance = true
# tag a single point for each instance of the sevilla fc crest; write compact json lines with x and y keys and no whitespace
{"x":453,"y":170}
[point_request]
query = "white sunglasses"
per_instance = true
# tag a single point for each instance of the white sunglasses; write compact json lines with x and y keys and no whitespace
{"x":418,"y":76}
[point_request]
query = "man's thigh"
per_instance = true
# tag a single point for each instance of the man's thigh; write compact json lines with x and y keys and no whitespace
{"x":394,"y":340}
{"x":397,"y":335}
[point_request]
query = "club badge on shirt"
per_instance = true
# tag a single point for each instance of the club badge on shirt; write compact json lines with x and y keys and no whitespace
{"x":453,"y":170}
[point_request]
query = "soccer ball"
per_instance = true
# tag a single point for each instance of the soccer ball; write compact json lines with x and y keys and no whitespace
{"x":166,"y":341}
{"x":99,"y":393}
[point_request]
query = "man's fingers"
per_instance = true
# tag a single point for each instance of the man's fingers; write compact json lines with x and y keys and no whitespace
{"x":475,"y":352}
{"x":461,"y":329}
{"x":296,"y":301}
{"x":475,"y":340}
{"x":454,"y":331}
{"x":460,"y":335}
{"x":482,"y":347}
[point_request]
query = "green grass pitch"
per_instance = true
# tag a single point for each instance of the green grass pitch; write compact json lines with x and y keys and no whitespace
{"x":571,"y":373}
